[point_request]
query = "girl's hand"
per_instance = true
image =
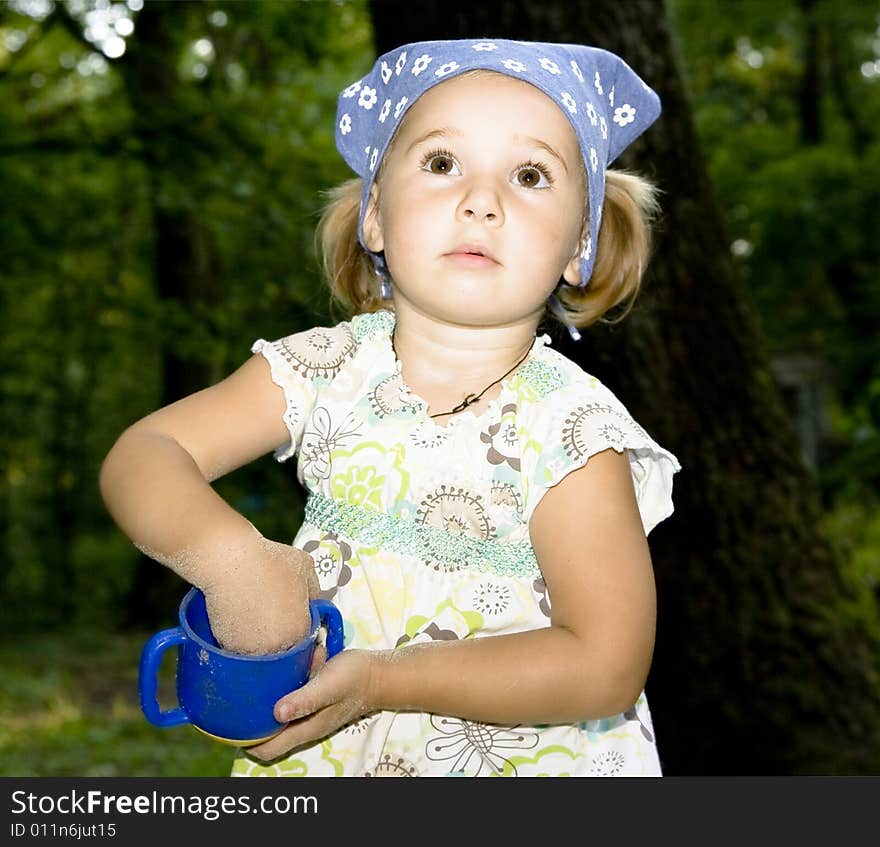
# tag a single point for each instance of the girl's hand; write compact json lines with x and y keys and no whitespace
{"x":340,"y":691}
{"x":259,"y":601}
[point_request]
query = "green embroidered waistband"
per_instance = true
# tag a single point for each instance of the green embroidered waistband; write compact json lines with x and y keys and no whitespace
{"x":444,"y":550}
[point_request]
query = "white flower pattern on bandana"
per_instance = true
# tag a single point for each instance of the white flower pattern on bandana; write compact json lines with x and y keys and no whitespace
{"x":591,"y":113}
{"x":368,"y":97}
{"x":624,"y":115}
{"x":445,"y":70}
{"x":619,"y":105}
{"x":421,"y":64}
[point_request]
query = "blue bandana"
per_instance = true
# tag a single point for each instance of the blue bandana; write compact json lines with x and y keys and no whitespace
{"x":607,"y":104}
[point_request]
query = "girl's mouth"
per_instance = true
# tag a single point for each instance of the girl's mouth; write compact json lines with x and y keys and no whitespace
{"x":471,"y":260}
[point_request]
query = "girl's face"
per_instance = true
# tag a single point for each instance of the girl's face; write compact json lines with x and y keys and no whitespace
{"x":485,"y":164}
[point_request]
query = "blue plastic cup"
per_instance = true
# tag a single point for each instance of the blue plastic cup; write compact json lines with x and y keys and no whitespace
{"x":229,"y":696}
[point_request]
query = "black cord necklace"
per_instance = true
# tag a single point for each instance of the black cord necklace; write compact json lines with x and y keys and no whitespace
{"x":469,"y":399}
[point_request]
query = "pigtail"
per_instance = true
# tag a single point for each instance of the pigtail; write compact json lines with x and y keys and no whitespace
{"x":629,"y":212}
{"x":347,"y":267}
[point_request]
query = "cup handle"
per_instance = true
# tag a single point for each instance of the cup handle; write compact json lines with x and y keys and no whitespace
{"x":151,"y":658}
{"x":331,"y":618}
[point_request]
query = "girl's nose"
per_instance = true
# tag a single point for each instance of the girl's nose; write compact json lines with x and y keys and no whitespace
{"x":482,"y":203}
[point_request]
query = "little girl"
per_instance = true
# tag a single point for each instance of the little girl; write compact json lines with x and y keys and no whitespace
{"x":478,"y":505}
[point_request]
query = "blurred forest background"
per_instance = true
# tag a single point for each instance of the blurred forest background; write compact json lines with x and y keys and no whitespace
{"x":160,"y":179}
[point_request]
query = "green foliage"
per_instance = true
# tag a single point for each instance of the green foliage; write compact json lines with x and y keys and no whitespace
{"x":247,"y":135}
{"x":67,"y":709}
{"x":802,"y":213}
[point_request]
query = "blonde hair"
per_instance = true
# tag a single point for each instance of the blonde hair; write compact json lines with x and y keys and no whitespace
{"x":625,"y":243}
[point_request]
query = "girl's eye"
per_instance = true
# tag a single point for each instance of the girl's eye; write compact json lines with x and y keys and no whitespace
{"x":528,"y":174}
{"x":533,"y":175}
{"x":439,"y":162}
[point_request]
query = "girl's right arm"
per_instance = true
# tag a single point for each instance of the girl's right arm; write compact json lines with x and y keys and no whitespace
{"x":156,"y":484}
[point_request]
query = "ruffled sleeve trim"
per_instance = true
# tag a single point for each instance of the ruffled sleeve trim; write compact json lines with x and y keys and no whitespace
{"x":296,"y":397}
{"x":596,"y":423}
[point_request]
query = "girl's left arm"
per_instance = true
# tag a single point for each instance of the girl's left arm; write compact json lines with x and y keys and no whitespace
{"x":590,"y":662}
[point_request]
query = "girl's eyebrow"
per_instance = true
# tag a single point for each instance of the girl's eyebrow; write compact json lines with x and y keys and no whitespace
{"x":451,"y":130}
{"x":543,"y":145}
{"x":435,"y":133}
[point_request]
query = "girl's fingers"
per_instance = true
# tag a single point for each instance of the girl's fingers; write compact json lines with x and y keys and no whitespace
{"x":330,"y":682}
{"x":286,"y":740}
{"x":331,"y":698}
{"x":302,"y":702}
{"x":300,"y":732}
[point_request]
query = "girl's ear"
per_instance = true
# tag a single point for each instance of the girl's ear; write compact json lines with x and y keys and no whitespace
{"x":572,"y":272}
{"x":373,"y":237}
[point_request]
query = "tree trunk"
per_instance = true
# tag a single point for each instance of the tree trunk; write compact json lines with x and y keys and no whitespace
{"x":753,"y":673}
{"x":170,"y":133}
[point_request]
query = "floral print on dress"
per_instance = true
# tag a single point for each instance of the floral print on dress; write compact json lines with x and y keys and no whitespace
{"x":428,"y":436}
{"x":318,"y":352}
{"x":393,"y":766}
{"x":540,"y":588}
{"x":608,"y":763}
{"x":632,"y":714}
{"x":431,"y":632}
{"x":390,"y":396}
{"x":321,"y":438}
{"x":502,"y":439}
{"x":456,"y":511}
{"x":361,"y":725}
{"x":505,"y":494}
{"x":331,"y":556}
{"x":448,"y":623}
{"x":597,"y":422}
{"x":474,"y":748}
{"x":420,"y":534}
{"x":491,"y":599}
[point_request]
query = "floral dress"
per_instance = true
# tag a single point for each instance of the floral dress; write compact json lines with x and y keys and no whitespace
{"x":419,"y":533}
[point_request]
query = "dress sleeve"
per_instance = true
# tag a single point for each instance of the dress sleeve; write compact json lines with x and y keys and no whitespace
{"x":300,"y":364}
{"x":591,"y":421}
